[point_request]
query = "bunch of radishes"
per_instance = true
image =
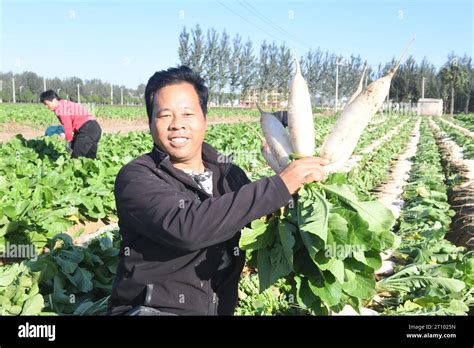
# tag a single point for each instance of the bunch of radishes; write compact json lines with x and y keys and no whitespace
{"x":338,"y":146}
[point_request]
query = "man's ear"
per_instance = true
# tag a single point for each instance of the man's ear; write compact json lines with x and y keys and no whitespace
{"x":150,"y":124}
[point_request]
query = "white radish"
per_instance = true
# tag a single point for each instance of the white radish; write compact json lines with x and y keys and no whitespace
{"x":346,"y":153}
{"x":300,"y":115}
{"x":387,"y":268}
{"x":341,"y":142}
{"x":271,"y":160}
{"x":276,"y":136}
{"x":336,"y":167}
{"x":386,"y":255}
{"x":359,"y":87}
{"x":347,"y":310}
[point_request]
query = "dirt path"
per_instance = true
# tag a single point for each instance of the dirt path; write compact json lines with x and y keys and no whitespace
{"x":461,"y":195}
{"x":10,"y":130}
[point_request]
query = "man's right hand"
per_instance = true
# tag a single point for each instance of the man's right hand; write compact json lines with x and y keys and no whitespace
{"x":302,"y":171}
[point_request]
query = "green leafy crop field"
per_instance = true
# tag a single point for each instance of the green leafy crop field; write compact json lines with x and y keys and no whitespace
{"x":45,"y":196}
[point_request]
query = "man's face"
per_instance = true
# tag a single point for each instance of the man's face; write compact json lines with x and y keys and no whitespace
{"x":178,"y":125}
{"x":51,"y":104}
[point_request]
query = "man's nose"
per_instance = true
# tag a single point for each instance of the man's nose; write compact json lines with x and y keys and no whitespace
{"x":177,"y":123}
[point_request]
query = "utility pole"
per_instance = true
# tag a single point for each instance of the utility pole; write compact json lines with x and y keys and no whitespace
{"x":19,"y":94}
{"x":121,"y":96}
{"x":337,"y":79}
{"x":13,"y":88}
{"x":78,"y":94}
{"x":337,"y":82}
{"x":423,"y":88}
{"x":111,"y":94}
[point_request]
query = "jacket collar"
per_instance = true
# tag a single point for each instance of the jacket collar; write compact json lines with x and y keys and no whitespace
{"x":218,"y":163}
{"x":209,"y":156}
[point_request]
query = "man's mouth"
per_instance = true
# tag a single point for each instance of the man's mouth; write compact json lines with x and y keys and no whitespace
{"x":179,"y":141}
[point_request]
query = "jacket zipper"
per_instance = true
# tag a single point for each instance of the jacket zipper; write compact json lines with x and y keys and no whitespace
{"x":214,"y":299}
{"x":213,"y":306}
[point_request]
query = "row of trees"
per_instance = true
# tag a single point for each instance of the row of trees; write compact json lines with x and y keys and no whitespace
{"x":453,"y":82}
{"x":28,"y":86}
{"x":234,"y":69}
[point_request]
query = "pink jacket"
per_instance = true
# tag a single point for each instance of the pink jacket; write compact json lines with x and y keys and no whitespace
{"x":72,"y":116}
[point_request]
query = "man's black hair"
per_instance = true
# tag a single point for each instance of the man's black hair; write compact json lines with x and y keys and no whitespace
{"x":49,"y":95}
{"x":173,"y":76}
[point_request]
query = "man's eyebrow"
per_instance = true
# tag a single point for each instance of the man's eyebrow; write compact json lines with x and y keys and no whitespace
{"x":184,"y":108}
{"x":162,"y":109}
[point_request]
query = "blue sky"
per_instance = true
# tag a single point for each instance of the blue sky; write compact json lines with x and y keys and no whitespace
{"x":124,"y":42}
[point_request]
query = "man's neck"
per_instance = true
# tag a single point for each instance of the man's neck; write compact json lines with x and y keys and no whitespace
{"x":195,"y":165}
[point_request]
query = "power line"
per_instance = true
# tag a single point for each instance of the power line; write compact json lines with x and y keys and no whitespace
{"x":252,"y":10}
{"x":269,"y":22}
{"x":248,"y":21}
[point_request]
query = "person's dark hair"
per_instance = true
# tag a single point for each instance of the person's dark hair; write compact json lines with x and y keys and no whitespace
{"x":173,"y":76}
{"x":49,"y":95}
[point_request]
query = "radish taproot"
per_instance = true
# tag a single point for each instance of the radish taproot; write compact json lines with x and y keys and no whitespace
{"x":359,"y":87}
{"x":300,"y":115}
{"x":269,"y":158}
{"x":276,"y":137}
{"x":335,"y":167}
{"x":341,"y":142}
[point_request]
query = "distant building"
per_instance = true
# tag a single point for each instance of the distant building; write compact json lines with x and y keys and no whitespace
{"x":430,"y":107}
{"x":272,"y":99}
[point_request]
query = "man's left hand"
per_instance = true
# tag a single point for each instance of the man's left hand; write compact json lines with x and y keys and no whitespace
{"x":68,"y":147}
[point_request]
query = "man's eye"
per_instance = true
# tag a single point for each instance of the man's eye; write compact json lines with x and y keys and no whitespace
{"x":164,"y":115}
{"x":189,"y":114}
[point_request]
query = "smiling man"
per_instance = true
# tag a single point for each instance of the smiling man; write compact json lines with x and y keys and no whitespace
{"x":181,"y":208}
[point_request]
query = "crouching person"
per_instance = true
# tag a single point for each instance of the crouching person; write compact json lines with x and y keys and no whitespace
{"x":81,"y":129}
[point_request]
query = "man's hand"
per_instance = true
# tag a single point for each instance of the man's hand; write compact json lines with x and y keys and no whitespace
{"x":68,"y":147}
{"x":299,"y":172}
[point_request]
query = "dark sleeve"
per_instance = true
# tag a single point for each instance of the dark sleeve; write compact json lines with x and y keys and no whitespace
{"x":242,"y":179}
{"x":240,"y":175}
{"x":284,"y":119}
{"x":164,"y":214}
{"x":282,"y":116}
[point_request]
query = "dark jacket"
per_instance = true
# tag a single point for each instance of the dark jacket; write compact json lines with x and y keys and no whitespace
{"x":179,"y":249}
{"x":282,"y":116}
